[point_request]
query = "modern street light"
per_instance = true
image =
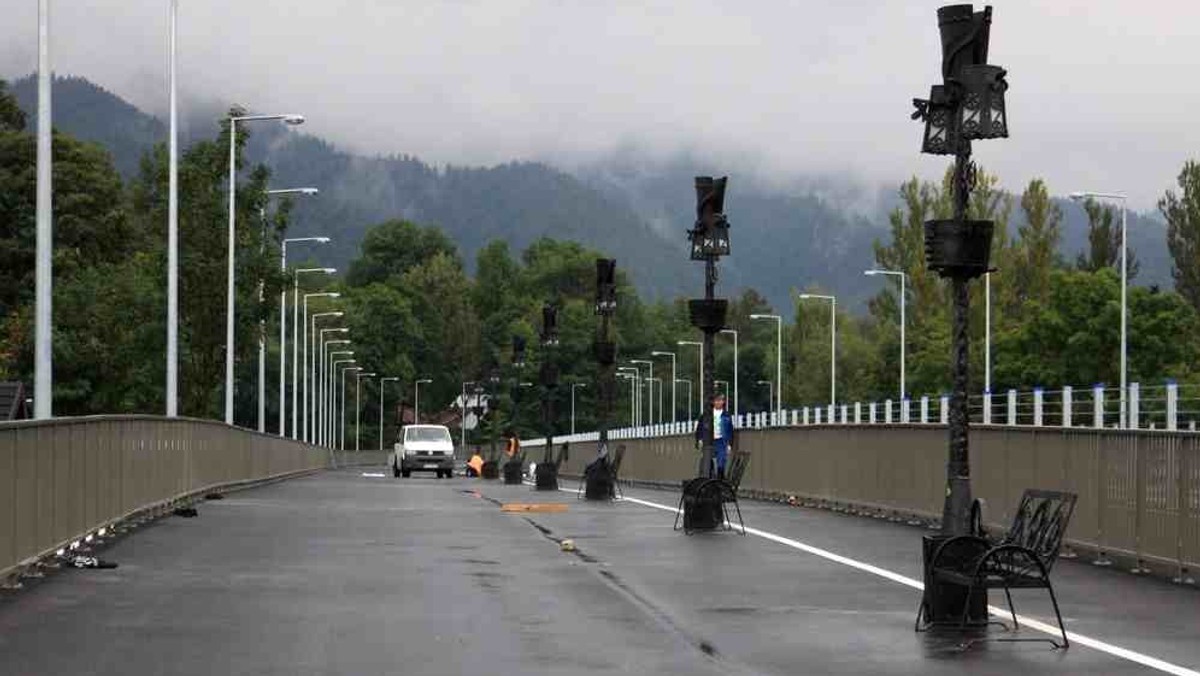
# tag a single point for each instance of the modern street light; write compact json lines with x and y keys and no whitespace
{"x":778,"y":356}
{"x":172,"y":394}
{"x":1083,"y":197}
{"x":334,"y":369}
{"x":650,"y":398}
{"x":295,"y":333}
{"x":229,"y":292}
{"x":699,"y":358}
{"x":323,"y":386}
{"x":43,"y":369}
{"x":832,"y":342}
{"x":632,"y":395}
{"x":305,"y":364}
{"x":903,"y":301}
{"x":656,"y":384}
{"x":636,"y":402}
{"x":331,"y":400}
{"x":417,"y":400}
{"x":463,"y":413}
{"x":341,"y":414}
{"x":689,"y":396}
{"x":674,"y":406}
{"x":383,"y":387}
{"x":734,"y":332}
{"x":573,"y":388}
{"x":358,"y":409}
{"x":770,"y":387}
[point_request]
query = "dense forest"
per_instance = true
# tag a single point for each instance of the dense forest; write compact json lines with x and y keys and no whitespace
{"x":421,"y":305}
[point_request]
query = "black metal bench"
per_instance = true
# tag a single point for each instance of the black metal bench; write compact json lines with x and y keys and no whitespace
{"x":1022,"y":559}
{"x":705,"y":500}
{"x":600,"y":479}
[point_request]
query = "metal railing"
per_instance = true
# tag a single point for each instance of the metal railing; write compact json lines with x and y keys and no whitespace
{"x":1139,"y":490}
{"x":64,"y":479}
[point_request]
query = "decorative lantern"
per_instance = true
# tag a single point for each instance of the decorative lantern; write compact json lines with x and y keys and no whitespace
{"x":606,"y":286}
{"x":518,"y":349}
{"x":710,"y":237}
{"x":982,"y":115}
{"x":549,"y":325}
{"x":958,"y":248}
{"x":938,"y":114}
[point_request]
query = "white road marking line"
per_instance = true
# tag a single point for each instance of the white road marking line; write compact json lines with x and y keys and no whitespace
{"x":1096,"y":644}
{"x":375,"y":475}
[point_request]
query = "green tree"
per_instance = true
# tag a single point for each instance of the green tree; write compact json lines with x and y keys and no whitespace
{"x":1037,"y":243}
{"x":1182,"y":213}
{"x":392,"y":248}
{"x":12,"y":118}
{"x":1104,"y":241}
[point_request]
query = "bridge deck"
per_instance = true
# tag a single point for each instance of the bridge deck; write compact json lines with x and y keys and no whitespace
{"x":349,"y":574}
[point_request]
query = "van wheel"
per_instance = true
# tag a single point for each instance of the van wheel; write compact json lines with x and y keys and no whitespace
{"x":405,"y":473}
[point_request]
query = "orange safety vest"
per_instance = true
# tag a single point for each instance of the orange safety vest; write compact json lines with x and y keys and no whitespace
{"x":476,"y":463}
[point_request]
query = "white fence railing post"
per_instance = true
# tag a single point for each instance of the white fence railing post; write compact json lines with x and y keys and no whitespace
{"x":1098,"y":406}
{"x":924,"y":409}
{"x":1134,"y":394}
{"x":1012,"y":407}
{"x":1037,"y":407}
{"x":805,"y":413}
{"x":944,"y":409}
{"x":987,"y":407}
{"x":904,"y":411}
{"x":887,"y":411}
{"x":845,"y":413}
{"x":871,"y":412}
{"x":1066,"y":406}
{"x":857,"y":413}
{"x":1172,"y":405}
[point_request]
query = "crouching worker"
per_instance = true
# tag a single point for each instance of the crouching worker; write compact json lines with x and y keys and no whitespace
{"x":475,"y":464}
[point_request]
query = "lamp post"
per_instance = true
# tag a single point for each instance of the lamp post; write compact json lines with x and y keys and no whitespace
{"x":770,"y":388}
{"x":650,"y":395}
{"x":778,"y":356}
{"x":358,"y":409}
{"x":636,"y":418}
{"x":689,"y":396}
{"x":43,"y":369}
{"x":1083,"y":197}
{"x":463,"y":408}
{"x":674,"y":407}
{"x":334,"y":370}
{"x":331,"y":399}
{"x":574,"y":386}
{"x":903,"y":323}
{"x":172,"y":393}
{"x":700,"y":360}
{"x":229,"y":292}
{"x":832,"y":342}
{"x":417,"y":400}
{"x":295,"y":333}
{"x":382,"y":387}
{"x":262,"y":324}
{"x":656,"y":385}
{"x":734,"y":332}
{"x":341,"y":414}
{"x":632,"y":396}
{"x":605,"y":349}
{"x":305,"y":363}
{"x":323,"y":386}
{"x":967,"y":105}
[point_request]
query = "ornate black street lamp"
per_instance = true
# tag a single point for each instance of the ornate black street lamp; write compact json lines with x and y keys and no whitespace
{"x":968,"y":105}
{"x":709,"y":241}
{"x":546,"y":473}
{"x":598,"y":479}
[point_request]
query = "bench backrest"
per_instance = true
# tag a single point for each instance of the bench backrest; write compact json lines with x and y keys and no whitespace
{"x":737,"y":469}
{"x":615,"y":467}
{"x":1040,"y":523}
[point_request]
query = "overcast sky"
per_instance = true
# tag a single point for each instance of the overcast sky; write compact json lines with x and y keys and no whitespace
{"x":1104,"y":93}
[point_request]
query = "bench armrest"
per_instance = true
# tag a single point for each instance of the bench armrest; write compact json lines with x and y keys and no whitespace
{"x":961,"y":551}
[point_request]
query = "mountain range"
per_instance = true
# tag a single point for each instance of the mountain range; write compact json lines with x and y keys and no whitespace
{"x":818,"y":234}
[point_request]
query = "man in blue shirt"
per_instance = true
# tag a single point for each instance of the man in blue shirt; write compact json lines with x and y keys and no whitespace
{"x":723,"y":440}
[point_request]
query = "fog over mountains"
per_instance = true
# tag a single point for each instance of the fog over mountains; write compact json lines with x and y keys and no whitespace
{"x":786,"y":235}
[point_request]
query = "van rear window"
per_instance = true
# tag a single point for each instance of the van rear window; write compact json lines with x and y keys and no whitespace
{"x":424,"y":434}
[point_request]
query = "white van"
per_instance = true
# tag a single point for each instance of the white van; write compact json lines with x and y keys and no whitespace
{"x":423,"y":448}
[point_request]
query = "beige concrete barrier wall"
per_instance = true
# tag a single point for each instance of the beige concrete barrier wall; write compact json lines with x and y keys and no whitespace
{"x":1139,"y":491}
{"x":62,"y":479}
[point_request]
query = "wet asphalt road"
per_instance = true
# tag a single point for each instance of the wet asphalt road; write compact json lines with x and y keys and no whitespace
{"x":348,"y":574}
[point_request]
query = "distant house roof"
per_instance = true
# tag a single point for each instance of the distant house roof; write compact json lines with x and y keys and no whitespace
{"x":12,"y":401}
